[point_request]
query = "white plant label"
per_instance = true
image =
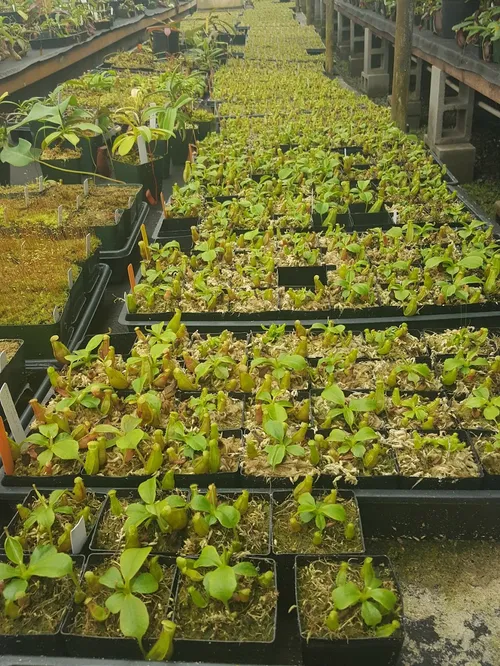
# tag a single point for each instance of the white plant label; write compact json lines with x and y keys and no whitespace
{"x":86,"y":187}
{"x":70,"y":278}
{"x":152,"y":121}
{"x":9,"y":409}
{"x":118,"y":214}
{"x":3,"y":361}
{"x":78,"y":536}
{"x":40,"y":183}
{"x":395,"y":217}
{"x":143,"y":153}
{"x":130,"y":202}
{"x":56,"y":315}
{"x":87,"y":244}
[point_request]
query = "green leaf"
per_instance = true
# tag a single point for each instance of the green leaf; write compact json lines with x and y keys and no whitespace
{"x":384,"y":597}
{"x":66,"y":448}
{"x":275,"y":454}
{"x":245,"y":569}
{"x":365,"y":434}
{"x":196,"y":442}
{"x":220,"y":583}
{"x":6,"y":571}
{"x":131,"y":560}
{"x":50,"y":564}
{"x":346,"y":595}
{"x":21,"y":155}
{"x":334,"y":394}
{"x":362,"y":404}
{"x":134,"y":618}
{"x":130,"y":440}
{"x":295,"y":450}
{"x":111,"y":578}
{"x":472,"y":261}
{"x":14,"y":550}
{"x":147,"y":491}
{"x":209,"y":558}
{"x":293,"y":361}
{"x":144,"y":583}
{"x":114,"y":602}
{"x":276,"y":413}
{"x":334,"y":511}
{"x":491,"y":412}
{"x":15,"y":589}
{"x":275,"y":429}
{"x":358,"y":450}
{"x":49,"y":430}
{"x":370,"y":614}
{"x":227,"y":515}
{"x":201,"y":503}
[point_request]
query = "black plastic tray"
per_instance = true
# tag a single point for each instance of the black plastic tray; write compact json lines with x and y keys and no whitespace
{"x":119,"y":259}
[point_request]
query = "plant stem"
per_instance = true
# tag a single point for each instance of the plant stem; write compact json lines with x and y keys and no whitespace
{"x":83,"y":173}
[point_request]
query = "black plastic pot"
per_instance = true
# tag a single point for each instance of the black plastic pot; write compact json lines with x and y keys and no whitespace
{"x":162,"y":43}
{"x":255,"y":652}
{"x":16,"y":520}
{"x":77,"y":645}
{"x":14,"y":373}
{"x":74,"y":164}
{"x":46,"y":41}
{"x":35,"y":644}
{"x":179,"y":147}
{"x":88,"y":159}
{"x":343,"y":219}
{"x":4,"y":173}
{"x":118,"y":259}
{"x":453,"y":12}
{"x":491,"y":481}
{"x":150,"y":175}
{"x":447,"y":483}
{"x":171,"y":227}
{"x":12,"y":17}
{"x":279,"y":496}
{"x":314,"y":52}
{"x":356,"y":651}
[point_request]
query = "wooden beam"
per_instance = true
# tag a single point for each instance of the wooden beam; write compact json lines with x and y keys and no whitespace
{"x":40,"y":70}
{"x":402,"y":62}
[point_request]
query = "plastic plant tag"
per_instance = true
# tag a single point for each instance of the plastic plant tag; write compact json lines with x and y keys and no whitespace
{"x":40,"y":183}
{"x":9,"y":409}
{"x":78,"y":536}
{"x":134,"y":92}
{"x":60,"y":216}
{"x":130,"y":202}
{"x":395,"y":217}
{"x":87,"y":245}
{"x":3,"y":361}
{"x":56,"y":315}
{"x":152,"y":121}
{"x":70,"y":278}
{"x":143,"y":153}
{"x":86,"y":187}
{"x":26,"y":196}
{"x":167,"y":32}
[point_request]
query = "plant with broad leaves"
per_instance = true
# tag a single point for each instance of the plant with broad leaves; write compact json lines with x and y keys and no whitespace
{"x":415,"y":373}
{"x":44,"y":562}
{"x":350,"y":409}
{"x":462,"y":366}
{"x":282,"y":367}
{"x":209,"y":511}
{"x":333,"y":334}
{"x":448,"y":442}
{"x":128,"y":585}
{"x":353,"y":443}
{"x":221,"y":581}
{"x":351,"y":287}
{"x":218,"y":366}
{"x":416,"y":410}
{"x":319,"y":510}
{"x":167,"y":514}
{"x":366,"y":595}
{"x":483,"y":401}
{"x":282,"y":445}
{"x":54,"y":444}
{"x":126,"y":438}
{"x":86,"y":356}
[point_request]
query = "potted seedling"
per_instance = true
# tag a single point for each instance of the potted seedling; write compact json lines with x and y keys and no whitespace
{"x":155,"y":518}
{"x":487,"y":445}
{"x":48,"y":518}
{"x":36,"y":591}
{"x":228,"y":520}
{"x":349,"y":610}
{"x":126,"y":599}
{"x":434,"y":460}
{"x":214,"y":593}
{"x":207,"y":408}
{"x":316,"y":521}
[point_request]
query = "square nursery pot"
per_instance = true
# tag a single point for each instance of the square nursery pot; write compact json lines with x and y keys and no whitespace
{"x":47,"y":41}
{"x":4,"y":173}
{"x":37,"y":644}
{"x":149,"y":175}
{"x":342,"y":219}
{"x":88,"y":160}
{"x":163,"y":43}
{"x":362,"y":220}
{"x":453,"y":12}
{"x":288,"y":558}
{"x":106,"y":647}
{"x":179,"y":147}
{"x":491,"y":481}
{"x":16,"y":520}
{"x":356,"y":651}
{"x":301,"y":276}
{"x":172,"y":227}
{"x":14,"y":373}
{"x":446,"y":483}
{"x":232,"y":652}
